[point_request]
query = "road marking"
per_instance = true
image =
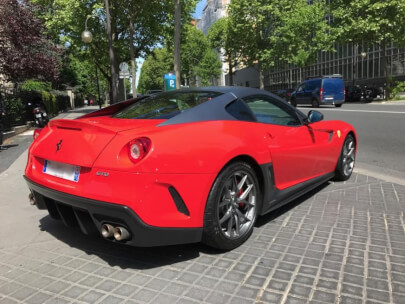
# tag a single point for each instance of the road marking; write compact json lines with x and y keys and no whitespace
{"x":361,"y":111}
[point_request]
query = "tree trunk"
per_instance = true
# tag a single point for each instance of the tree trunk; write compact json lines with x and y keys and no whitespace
{"x":132,"y":53}
{"x":177,"y":40}
{"x":114,"y":76}
{"x":261,"y":77}
{"x":230,"y":71}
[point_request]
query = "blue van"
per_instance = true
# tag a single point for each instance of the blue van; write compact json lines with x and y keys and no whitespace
{"x":319,"y":91}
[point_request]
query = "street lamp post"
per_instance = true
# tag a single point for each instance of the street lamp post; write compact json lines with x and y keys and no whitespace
{"x":87,"y":37}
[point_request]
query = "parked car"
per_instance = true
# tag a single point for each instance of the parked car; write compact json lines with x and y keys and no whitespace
{"x":353,"y":93}
{"x":285,"y":94}
{"x":184,"y":166}
{"x":320,"y":91}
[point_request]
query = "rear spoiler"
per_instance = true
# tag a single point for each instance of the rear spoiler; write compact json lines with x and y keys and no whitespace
{"x":113,"y":108}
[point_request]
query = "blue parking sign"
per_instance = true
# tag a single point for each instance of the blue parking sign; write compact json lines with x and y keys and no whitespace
{"x":170,"y":82}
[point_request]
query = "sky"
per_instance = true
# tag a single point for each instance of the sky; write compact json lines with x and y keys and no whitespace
{"x":200,"y":6}
{"x":198,"y":14}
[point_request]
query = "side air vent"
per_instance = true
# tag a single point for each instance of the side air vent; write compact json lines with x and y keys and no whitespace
{"x":178,"y":201}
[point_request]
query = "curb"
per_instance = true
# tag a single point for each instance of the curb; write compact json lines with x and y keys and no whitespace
{"x":15,"y":131}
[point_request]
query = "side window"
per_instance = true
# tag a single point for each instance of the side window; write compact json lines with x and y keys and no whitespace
{"x":240,"y":111}
{"x":301,"y":88}
{"x":272,"y":111}
{"x":311,"y":85}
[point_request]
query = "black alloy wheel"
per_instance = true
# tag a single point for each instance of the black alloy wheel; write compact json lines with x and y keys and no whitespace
{"x":232,"y":207}
{"x":345,"y":166}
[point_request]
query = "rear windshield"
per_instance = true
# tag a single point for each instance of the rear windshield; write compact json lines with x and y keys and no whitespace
{"x":165,"y":105}
{"x":333,"y":84}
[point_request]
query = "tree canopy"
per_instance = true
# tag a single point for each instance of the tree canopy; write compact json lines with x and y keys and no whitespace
{"x":159,"y":62}
{"x":25,"y":51}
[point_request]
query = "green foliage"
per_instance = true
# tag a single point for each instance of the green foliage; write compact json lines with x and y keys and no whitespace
{"x":372,"y":21}
{"x":223,"y":38}
{"x":65,"y":19}
{"x":254,"y":23}
{"x":268,"y":31}
{"x":36,"y":85}
{"x":155,"y":66}
{"x":209,"y":68}
{"x":15,"y":111}
{"x":46,"y":98}
{"x":303,"y":32}
{"x":62,"y":100}
{"x":397,"y":87}
{"x":194,"y":48}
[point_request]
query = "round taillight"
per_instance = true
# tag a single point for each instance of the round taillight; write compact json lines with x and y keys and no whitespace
{"x":36,"y":133}
{"x":138,"y":148}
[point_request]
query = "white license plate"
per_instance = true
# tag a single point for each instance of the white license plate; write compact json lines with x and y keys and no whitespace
{"x":65,"y":171}
{"x":37,"y":115}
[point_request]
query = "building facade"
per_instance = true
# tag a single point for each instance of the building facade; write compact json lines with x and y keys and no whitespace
{"x":359,"y":65}
{"x":214,"y":10}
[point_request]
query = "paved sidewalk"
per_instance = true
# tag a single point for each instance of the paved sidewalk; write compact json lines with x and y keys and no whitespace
{"x":342,"y":243}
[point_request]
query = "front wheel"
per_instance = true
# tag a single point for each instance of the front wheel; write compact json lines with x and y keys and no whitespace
{"x":232,"y":207}
{"x":339,"y":105}
{"x":345,"y":166}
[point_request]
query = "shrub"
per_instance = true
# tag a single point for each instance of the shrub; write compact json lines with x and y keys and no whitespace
{"x":397,"y":87}
{"x":36,"y":85}
{"x":79,"y":101}
{"x":62,"y":100}
{"x":16,"y":112}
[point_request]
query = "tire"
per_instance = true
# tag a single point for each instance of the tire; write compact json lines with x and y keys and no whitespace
{"x":293,"y":102}
{"x":232,"y":207}
{"x":345,"y":165}
{"x":338,"y":105}
{"x":315,"y":103}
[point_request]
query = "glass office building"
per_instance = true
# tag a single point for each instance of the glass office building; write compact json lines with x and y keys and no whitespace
{"x":357,"y":63}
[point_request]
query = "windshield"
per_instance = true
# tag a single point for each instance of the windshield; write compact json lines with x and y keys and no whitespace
{"x":165,"y":105}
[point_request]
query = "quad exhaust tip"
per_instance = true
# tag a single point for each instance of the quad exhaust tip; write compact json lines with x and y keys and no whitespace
{"x":119,"y":233}
{"x":107,"y":230}
{"x":31,"y":198}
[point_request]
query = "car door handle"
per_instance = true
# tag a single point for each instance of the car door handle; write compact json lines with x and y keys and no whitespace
{"x":270,"y":135}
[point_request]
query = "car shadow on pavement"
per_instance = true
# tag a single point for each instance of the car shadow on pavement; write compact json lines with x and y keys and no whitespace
{"x":120,"y":255}
{"x":6,"y":147}
{"x":273,"y":215}
{"x":129,"y":257}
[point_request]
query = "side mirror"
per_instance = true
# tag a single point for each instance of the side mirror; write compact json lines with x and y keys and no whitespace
{"x":314,"y":116}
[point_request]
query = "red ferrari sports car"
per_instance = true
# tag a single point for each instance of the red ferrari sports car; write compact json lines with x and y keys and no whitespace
{"x":184,"y":166}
